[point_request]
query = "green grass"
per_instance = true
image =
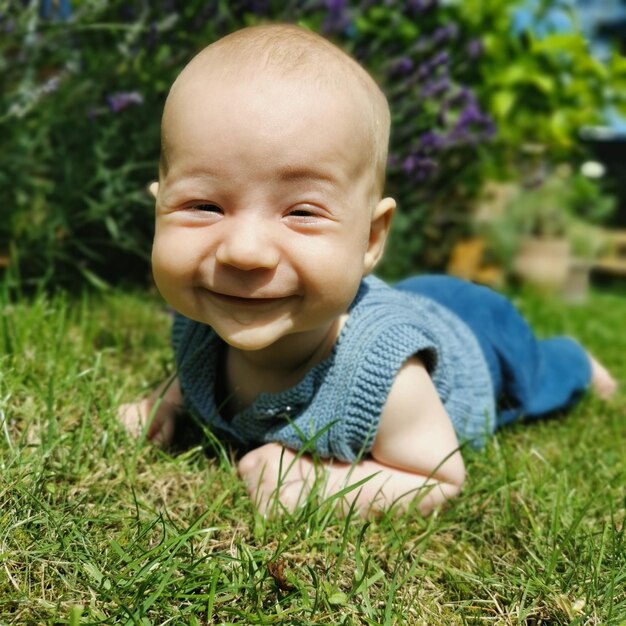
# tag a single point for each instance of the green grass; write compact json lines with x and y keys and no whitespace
{"x":97,"y":528}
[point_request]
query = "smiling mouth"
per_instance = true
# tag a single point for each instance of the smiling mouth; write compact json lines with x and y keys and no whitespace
{"x":242,"y":301}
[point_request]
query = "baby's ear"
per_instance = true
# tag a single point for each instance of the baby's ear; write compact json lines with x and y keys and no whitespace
{"x":153,"y":188}
{"x":379,"y":229}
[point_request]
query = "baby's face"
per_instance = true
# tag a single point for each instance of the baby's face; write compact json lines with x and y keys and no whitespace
{"x":264,"y":208}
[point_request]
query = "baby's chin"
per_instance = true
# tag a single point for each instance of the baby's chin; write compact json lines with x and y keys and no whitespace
{"x":253,"y":338}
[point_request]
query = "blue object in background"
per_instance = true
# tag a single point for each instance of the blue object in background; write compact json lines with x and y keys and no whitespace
{"x":603,"y":23}
{"x":594,"y":16}
{"x":557,"y":18}
{"x":56,"y":9}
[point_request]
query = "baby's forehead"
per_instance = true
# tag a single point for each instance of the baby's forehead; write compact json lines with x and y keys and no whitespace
{"x":280,"y":52}
{"x":218,"y":72}
{"x":226,"y":88}
{"x":281,"y":48}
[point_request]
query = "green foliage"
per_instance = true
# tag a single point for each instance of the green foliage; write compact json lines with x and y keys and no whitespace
{"x":81,"y":98}
{"x":81,"y":101}
{"x":540,"y":90}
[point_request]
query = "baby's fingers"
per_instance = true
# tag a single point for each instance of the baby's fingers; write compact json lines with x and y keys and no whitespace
{"x":274,"y":479}
{"x":136,"y":417}
{"x":133,"y":416}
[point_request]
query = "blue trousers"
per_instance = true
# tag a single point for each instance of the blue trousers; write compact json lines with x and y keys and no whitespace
{"x":531,"y":377}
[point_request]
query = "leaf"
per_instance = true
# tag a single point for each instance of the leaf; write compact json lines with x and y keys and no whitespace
{"x":544,"y":83}
{"x":111,"y":225}
{"x":338,"y":598}
{"x":558,"y":43}
{"x":560,"y":128}
{"x":502,"y":102}
{"x":94,"y":279}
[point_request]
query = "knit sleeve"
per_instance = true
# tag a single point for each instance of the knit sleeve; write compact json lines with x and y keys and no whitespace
{"x":362,"y":403}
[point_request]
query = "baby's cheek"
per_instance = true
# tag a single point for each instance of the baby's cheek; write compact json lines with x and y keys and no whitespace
{"x":172,"y":256}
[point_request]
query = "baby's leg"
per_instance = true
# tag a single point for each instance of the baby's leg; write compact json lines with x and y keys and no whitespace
{"x":532,"y":377}
{"x":602,"y":382}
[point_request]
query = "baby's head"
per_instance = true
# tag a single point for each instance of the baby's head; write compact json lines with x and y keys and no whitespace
{"x":269,"y":209}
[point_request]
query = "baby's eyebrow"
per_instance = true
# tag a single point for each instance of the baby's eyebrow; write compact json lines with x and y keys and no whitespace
{"x":305,"y":174}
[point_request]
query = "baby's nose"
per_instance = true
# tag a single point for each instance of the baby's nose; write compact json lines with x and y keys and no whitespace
{"x":248,"y":245}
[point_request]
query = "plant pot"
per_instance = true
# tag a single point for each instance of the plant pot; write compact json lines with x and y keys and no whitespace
{"x":543,"y":263}
{"x":577,"y":284}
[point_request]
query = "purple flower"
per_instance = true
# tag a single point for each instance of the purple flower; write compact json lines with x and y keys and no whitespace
{"x":419,"y":167}
{"x":441,"y":58}
{"x":471,"y":127}
{"x":430,"y":66}
{"x":423,"y":70}
{"x":402,"y":66}
{"x":123,"y":99}
{"x":336,"y":6}
{"x":430,"y":141}
{"x":337,"y":19}
{"x":434,"y":88}
{"x":474,"y":49}
{"x":445,"y":33}
{"x":420,"y":6}
{"x":471,"y":115}
{"x":463,"y":96}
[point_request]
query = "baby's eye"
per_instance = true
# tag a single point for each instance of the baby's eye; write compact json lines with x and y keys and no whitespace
{"x":208,"y":208}
{"x":301,"y":213}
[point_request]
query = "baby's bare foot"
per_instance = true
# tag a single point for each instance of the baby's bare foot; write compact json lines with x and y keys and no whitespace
{"x":602,"y":382}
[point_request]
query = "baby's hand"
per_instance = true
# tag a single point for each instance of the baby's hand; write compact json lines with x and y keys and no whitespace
{"x":136,"y":415}
{"x":274,"y":474}
{"x":133,"y":416}
{"x":271,"y":472}
{"x":155,"y":414}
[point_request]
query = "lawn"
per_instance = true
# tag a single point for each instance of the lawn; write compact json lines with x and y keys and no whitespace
{"x":97,"y":528}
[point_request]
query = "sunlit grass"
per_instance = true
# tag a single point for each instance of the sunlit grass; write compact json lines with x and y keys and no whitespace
{"x":97,"y":528}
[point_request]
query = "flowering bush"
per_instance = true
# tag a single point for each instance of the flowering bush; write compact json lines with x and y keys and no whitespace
{"x":82,"y":85}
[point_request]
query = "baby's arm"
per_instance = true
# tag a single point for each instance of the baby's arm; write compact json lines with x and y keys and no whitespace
{"x":417,"y":442}
{"x":415,"y":453}
{"x":165,"y":402}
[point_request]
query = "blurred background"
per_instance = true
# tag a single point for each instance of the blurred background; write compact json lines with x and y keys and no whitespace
{"x":509,"y":126}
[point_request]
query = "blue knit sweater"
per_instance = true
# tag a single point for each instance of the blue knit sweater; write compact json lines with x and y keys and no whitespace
{"x":339,"y":401}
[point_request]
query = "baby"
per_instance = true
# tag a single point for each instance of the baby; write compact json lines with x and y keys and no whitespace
{"x":270,"y":218}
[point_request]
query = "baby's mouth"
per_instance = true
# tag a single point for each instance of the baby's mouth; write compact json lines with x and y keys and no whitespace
{"x":246,"y":301}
